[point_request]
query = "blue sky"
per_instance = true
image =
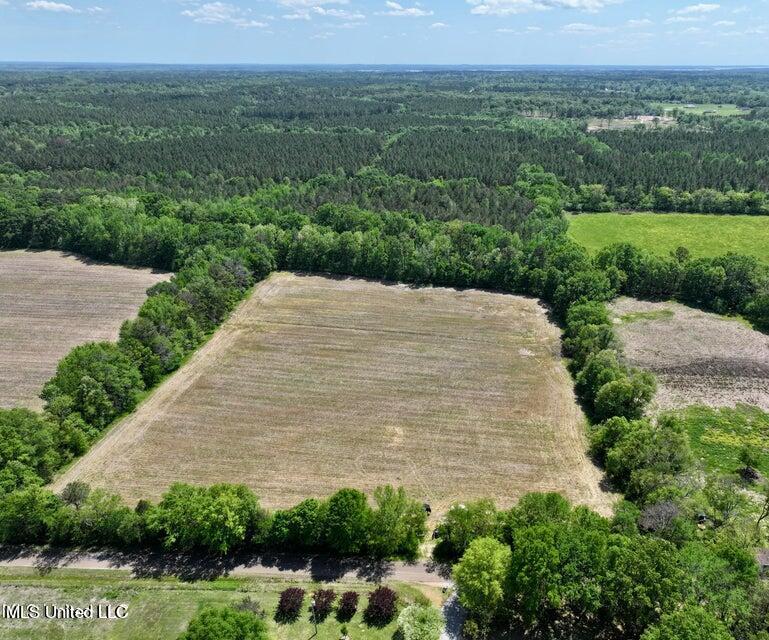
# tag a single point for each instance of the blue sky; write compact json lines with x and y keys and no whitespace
{"x":387,"y":32}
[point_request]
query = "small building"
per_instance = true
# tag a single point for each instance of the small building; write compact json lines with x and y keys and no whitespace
{"x":762,"y":557}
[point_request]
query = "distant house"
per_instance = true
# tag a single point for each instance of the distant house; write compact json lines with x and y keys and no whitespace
{"x":762,"y":556}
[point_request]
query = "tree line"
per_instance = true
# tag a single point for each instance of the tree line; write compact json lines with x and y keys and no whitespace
{"x":217,"y":520}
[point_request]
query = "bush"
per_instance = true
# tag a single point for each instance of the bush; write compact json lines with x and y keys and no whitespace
{"x":381,"y":607}
{"x":324,"y":601}
{"x":348,"y":605}
{"x":418,"y":622}
{"x":290,"y":604}
{"x":224,"y":623}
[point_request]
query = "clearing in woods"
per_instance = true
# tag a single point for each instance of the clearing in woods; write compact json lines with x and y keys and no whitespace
{"x":705,"y":235}
{"x":318,"y":383}
{"x":52,"y":302}
{"x":699,"y":357}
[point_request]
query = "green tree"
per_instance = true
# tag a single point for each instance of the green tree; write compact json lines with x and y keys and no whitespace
{"x":101,"y":381}
{"x":217,"y":518}
{"x":347,"y":521}
{"x":643,"y":578}
{"x":26,"y":516}
{"x":465,"y":522}
{"x":398,"y":524}
{"x":480,"y":578}
{"x":690,"y":623}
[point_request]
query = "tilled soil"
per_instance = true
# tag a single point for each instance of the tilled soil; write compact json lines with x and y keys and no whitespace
{"x":319,"y":383}
{"x":699,"y":357}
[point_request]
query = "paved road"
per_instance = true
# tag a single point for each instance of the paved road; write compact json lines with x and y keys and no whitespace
{"x":199,"y":568}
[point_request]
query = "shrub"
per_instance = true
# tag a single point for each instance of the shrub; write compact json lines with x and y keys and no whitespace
{"x":290,"y":604}
{"x":252,"y":606}
{"x":348,"y":605}
{"x":418,"y":622}
{"x":324,"y":601}
{"x":471,"y":630}
{"x":381,"y":607}
{"x":224,"y":623}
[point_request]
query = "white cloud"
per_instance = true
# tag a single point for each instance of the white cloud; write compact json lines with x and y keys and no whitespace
{"x":438,"y":25}
{"x":397,"y":9}
{"x":724,"y":23}
{"x":581,"y":28}
{"x":343,"y":14}
{"x":511,"y":7}
{"x":643,"y":22}
{"x":222,"y":13}
{"x":309,"y":4}
{"x":307,"y":13}
{"x":680,"y":19}
{"x":698,"y":8}
{"x":518,"y":32}
{"x":56,"y":7}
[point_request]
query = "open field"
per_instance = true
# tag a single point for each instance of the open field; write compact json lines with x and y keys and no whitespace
{"x":703,"y":109}
{"x":719,"y":435}
{"x":161,"y":609}
{"x":317,"y":383}
{"x":705,"y":235}
{"x":699,"y":357}
{"x":52,"y":302}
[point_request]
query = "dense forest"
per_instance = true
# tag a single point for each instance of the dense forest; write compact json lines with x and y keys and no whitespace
{"x":223,"y":132}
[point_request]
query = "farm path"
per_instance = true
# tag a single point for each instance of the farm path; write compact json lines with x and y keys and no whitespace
{"x":189,"y":567}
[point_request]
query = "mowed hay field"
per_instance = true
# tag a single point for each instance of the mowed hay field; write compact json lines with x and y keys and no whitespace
{"x":704,"y":235}
{"x":699,"y":357}
{"x":52,"y":302}
{"x":316,"y":384}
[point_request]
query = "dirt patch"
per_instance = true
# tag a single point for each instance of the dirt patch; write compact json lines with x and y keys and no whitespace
{"x":52,"y":302}
{"x":317,"y":383}
{"x":699,"y":357}
{"x":631,"y":122}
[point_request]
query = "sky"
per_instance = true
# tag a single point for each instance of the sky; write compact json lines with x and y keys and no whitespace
{"x":475,"y":32}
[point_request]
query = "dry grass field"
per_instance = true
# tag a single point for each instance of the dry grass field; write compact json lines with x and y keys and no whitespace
{"x":699,"y":357}
{"x":52,"y":302}
{"x":317,"y":383}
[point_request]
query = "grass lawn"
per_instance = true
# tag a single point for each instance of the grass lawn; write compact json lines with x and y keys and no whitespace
{"x":718,"y":435}
{"x":161,"y":609}
{"x":700,"y":109}
{"x":704,"y":235}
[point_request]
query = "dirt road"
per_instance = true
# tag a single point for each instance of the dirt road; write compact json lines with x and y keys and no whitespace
{"x":189,"y":567}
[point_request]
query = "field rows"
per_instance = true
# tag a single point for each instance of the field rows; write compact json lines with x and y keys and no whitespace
{"x":52,"y":302}
{"x":318,"y":383}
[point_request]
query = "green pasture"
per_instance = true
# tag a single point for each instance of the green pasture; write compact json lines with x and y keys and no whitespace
{"x":704,"y":235}
{"x":702,"y":109}
{"x":718,"y":436}
{"x":161,"y":609}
